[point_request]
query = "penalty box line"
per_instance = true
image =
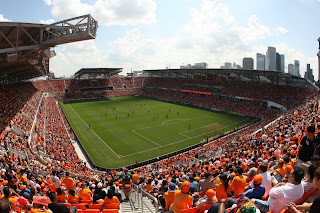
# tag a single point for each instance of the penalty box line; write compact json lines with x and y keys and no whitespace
{"x":94,"y":132}
{"x":171,"y":143}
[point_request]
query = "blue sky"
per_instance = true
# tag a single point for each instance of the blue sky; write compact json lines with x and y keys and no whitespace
{"x":152,"y":34}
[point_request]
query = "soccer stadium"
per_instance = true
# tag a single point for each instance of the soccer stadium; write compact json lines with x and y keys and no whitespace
{"x":170,"y":140}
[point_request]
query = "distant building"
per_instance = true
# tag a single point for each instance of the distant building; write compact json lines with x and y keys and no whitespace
{"x":291,"y":69}
{"x":228,"y":65}
{"x":278,"y":62}
{"x":297,"y":68}
{"x":247,"y":63}
{"x":282,"y":63}
{"x":308,"y":74}
{"x":270,"y":60}
{"x":202,"y":65}
{"x":260,"y":61}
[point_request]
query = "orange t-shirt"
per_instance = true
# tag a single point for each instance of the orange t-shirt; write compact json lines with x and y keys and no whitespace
{"x":169,"y":197}
{"x":61,"y":199}
{"x":85,"y":194}
{"x":184,"y":203}
{"x":135,"y":178}
{"x":238,"y":184}
{"x":221,"y":192}
{"x":69,"y":183}
{"x":281,"y":171}
{"x":114,"y":199}
{"x":73,"y":199}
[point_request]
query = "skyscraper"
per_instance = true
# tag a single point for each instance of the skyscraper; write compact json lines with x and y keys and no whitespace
{"x":278,"y":62}
{"x":260,"y":61}
{"x":270,"y":60}
{"x":247,"y":63}
{"x":297,"y":68}
{"x":282,"y":64}
{"x":291,"y":69}
{"x":308,"y":74}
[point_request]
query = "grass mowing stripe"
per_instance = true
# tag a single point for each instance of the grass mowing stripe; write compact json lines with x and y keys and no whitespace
{"x":160,"y":132}
{"x":94,"y":132}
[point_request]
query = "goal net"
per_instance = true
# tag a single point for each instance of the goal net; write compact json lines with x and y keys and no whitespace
{"x":211,"y":130}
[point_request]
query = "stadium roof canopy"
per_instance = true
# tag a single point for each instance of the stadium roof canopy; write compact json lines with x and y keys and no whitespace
{"x":25,"y":48}
{"x":254,"y":76}
{"x":96,"y":72}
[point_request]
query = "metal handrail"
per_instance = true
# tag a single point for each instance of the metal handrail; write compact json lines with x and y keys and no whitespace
{"x":143,"y":192}
{"x":139,"y":195}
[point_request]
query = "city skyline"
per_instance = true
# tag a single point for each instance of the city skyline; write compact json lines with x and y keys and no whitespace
{"x":154,"y":34}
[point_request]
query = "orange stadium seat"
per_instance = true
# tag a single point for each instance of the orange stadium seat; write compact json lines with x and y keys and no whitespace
{"x":110,"y":211}
{"x":112,"y":206}
{"x":96,"y":206}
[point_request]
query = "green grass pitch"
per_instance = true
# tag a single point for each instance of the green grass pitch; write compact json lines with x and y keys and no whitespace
{"x":124,"y":130}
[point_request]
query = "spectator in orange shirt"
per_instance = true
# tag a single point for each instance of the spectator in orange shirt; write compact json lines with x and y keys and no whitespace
{"x":221,"y":189}
{"x":135,"y":179}
{"x":182,"y":200}
{"x":110,"y":198}
{"x":169,"y":196}
{"x":85,"y":193}
{"x":61,"y":197}
{"x":238,"y":184}
{"x":72,"y":197}
{"x":68,"y":182}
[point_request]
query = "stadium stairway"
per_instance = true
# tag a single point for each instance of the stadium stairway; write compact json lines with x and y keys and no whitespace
{"x":134,"y":204}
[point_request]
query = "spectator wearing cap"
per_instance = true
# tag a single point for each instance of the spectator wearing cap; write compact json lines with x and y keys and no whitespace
{"x":24,"y":191}
{"x":193,"y":182}
{"x":310,"y":207}
{"x":257,"y":191}
{"x":182,"y":200}
{"x":206,"y":183}
{"x":209,"y":198}
{"x":169,"y":196}
{"x":40,"y":204}
{"x":283,"y":194}
{"x":126,"y":178}
{"x":307,"y":145}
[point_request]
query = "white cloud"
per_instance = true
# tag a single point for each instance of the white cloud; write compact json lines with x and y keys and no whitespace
{"x":108,"y":12}
{"x":211,"y":35}
{"x":48,"y":21}
{"x":48,"y":2}
{"x":74,"y":56}
{"x":3,"y":18}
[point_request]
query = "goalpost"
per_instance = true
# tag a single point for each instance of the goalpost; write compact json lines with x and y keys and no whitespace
{"x":211,"y":130}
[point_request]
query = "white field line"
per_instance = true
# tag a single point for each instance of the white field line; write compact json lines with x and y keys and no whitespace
{"x":146,"y":138}
{"x":94,"y":132}
{"x":172,"y":143}
{"x":148,"y":127}
{"x":196,"y":128}
{"x":183,"y":135}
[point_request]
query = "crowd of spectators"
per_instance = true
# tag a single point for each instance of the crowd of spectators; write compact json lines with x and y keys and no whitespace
{"x":275,"y":169}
